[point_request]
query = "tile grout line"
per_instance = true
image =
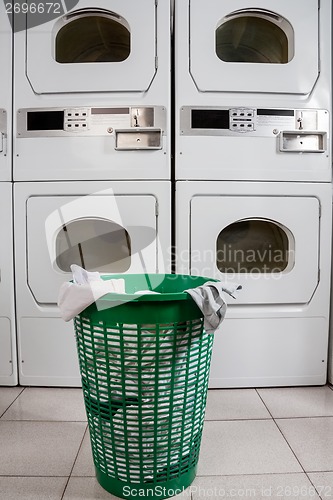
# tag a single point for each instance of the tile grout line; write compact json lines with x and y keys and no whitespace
{"x":263,"y":402}
{"x":43,"y":421}
{"x":274,"y":420}
{"x":23,"y":389}
{"x":280,"y":431}
{"x":29,"y":476}
{"x":239,"y":419}
{"x":289,"y":418}
{"x":289,"y":445}
{"x":78,"y":451}
{"x":313,"y":485}
{"x":257,"y":474}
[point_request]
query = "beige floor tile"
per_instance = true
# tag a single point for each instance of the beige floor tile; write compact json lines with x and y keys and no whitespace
{"x":298,"y":401}
{"x":311,"y":440}
{"x":7,"y":396}
{"x":51,"y":404}
{"x":233,"y":404}
{"x":244,"y":447}
{"x":39,"y":448}
{"x":323,"y":482}
{"x":86,"y":488}
{"x":32,"y":488}
{"x":84,"y":465}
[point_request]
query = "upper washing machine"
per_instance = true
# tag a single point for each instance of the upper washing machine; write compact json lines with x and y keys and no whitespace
{"x":257,"y":71}
{"x":5,"y":94}
{"x":92,"y":91}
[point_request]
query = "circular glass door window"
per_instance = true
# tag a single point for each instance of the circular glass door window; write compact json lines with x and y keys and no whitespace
{"x":254,"y":36}
{"x":95,"y":245}
{"x":253,"y":246}
{"x":93,"y":37}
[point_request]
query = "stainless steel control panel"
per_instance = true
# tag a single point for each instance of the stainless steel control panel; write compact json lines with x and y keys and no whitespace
{"x":296,"y":130}
{"x":132,"y":127}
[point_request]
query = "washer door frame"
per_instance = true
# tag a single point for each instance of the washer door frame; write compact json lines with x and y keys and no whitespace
{"x":295,"y":285}
{"x":47,"y":214}
{"x":211,"y":74}
{"x":135,"y":74}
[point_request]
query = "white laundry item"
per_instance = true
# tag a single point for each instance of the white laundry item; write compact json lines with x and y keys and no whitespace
{"x":86,"y":288}
{"x":146,"y":292}
{"x":209,"y":298}
{"x":82,"y":276}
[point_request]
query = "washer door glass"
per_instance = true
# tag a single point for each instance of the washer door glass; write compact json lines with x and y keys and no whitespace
{"x":254,"y":36}
{"x":93,"y":37}
{"x":95,"y":244}
{"x":253,"y":246}
{"x":110,"y":46}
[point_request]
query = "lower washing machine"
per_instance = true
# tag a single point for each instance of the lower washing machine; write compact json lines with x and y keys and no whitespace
{"x":118,"y":227}
{"x":8,"y":358}
{"x":275,"y":240}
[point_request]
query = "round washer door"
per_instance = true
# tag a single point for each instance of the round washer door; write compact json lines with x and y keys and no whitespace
{"x":102,"y":233}
{"x":259,"y":242}
{"x":235,"y":47}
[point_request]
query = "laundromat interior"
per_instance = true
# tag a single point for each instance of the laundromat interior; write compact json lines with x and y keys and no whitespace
{"x":169,"y":137}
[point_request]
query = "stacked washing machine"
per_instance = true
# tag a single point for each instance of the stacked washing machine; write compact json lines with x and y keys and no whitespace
{"x":8,"y":360}
{"x":253,"y":179}
{"x":91,"y":162}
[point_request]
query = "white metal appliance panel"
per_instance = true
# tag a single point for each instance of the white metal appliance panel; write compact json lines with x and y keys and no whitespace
{"x":6,"y":344}
{"x":247,"y":158}
{"x":5,"y":95}
{"x":87,"y":158}
{"x":212,"y":74}
{"x":134,"y":74}
{"x":8,"y":356}
{"x":51,"y":213}
{"x":295,"y":285}
{"x":48,"y":354}
{"x":330,"y":354}
{"x":267,"y":352}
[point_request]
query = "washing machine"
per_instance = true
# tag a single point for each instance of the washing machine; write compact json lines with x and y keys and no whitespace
{"x":253,"y":87}
{"x":5,"y":94}
{"x":252,"y":163}
{"x":8,"y":358}
{"x":275,"y":240}
{"x":92,"y":91}
{"x":110,"y":227}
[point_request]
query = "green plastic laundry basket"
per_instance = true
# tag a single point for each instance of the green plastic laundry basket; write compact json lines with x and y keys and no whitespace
{"x":144,"y":362}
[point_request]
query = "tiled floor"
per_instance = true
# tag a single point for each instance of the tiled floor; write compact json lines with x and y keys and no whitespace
{"x":265,"y":443}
